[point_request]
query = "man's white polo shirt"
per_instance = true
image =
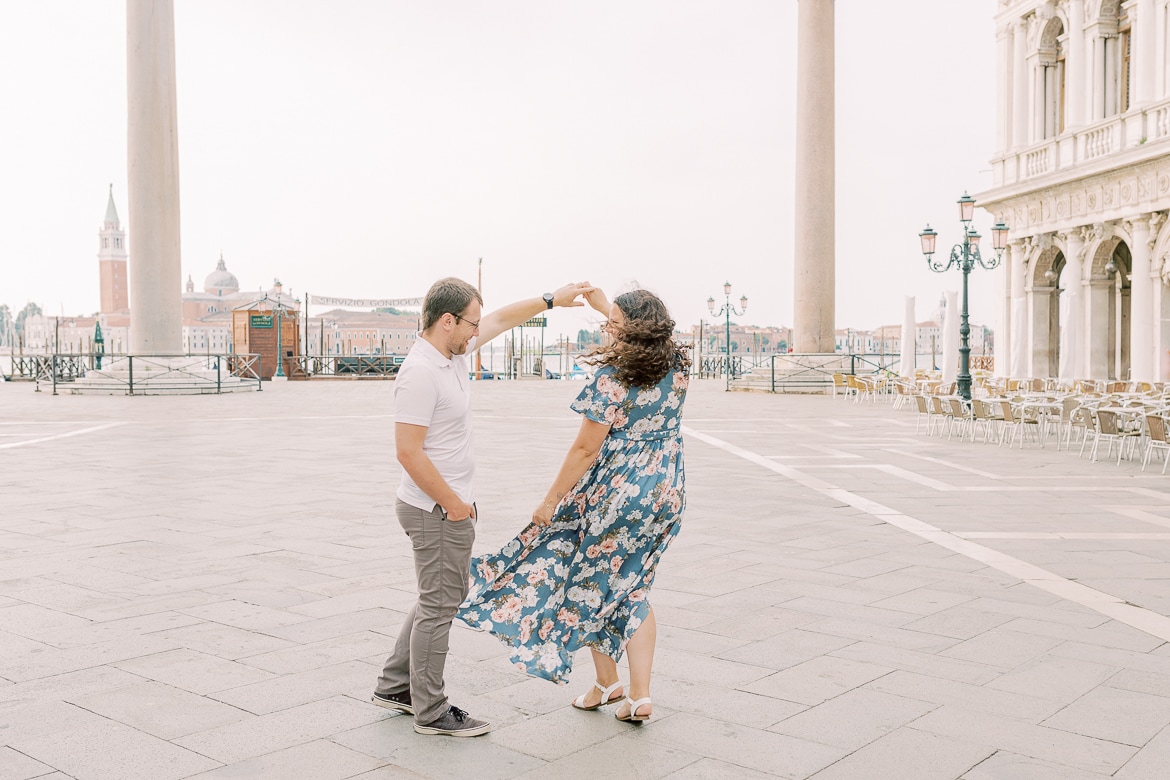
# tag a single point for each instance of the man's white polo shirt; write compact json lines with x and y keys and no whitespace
{"x":435,"y":391}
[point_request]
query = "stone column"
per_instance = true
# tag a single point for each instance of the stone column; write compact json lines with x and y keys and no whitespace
{"x":1100,"y":313}
{"x":1040,"y":303}
{"x":1020,"y":85}
{"x":1109,"y":93}
{"x":815,"y":246}
{"x":1073,"y":273}
{"x":156,"y":325}
{"x":1160,"y":51}
{"x":1143,"y":53}
{"x":1038,"y":104}
{"x":1003,"y":107}
{"x":1141,"y":304}
{"x":1075,"y":65}
{"x":1097,"y":77}
{"x":1021,"y":338}
{"x":1005,"y":334}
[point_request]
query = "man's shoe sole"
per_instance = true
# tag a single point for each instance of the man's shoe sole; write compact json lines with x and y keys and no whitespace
{"x":393,"y":705}
{"x":472,"y":732}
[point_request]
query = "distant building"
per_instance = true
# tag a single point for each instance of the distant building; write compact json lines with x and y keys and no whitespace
{"x":207,"y":314}
{"x":342,"y":332}
{"x":712,"y":338}
{"x":112,"y":257}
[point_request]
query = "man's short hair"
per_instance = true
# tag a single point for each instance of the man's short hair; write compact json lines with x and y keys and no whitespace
{"x":447,"y":296}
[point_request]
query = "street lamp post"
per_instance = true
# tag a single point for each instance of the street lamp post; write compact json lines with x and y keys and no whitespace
{"x":726,"y":310}
{"x":279,"y":346}
{"x":964,"y":256}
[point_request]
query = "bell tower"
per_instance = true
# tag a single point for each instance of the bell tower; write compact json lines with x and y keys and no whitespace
{"x":112,"y":258}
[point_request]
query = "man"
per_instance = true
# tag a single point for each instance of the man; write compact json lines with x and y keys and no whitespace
{"x":435,"y":506}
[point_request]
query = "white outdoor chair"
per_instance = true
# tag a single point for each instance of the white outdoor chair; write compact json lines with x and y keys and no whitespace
{"x":1110,"y":429}
{"x":1157,"y":441}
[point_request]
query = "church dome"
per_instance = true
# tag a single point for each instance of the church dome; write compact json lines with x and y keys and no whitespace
{"x":221,"y":280}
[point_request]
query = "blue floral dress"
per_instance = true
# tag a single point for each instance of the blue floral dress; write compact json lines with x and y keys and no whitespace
{"x":584,"y":579}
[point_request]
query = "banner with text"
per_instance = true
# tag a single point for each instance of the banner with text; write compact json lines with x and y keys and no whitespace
{"x":362,"y":303}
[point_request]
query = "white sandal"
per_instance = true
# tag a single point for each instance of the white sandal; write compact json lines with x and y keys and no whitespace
{"x":607,"y":696}
{"x":633,"y":716}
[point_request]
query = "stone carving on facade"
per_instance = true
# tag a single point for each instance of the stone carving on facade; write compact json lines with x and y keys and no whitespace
{"x":1107,"y":196}
{"x":1156,"y":220}
{"x":1027,"y":243}
{"x":1036,"y":27}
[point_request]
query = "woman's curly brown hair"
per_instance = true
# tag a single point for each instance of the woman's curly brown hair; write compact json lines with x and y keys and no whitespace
{"x":643,"y":351}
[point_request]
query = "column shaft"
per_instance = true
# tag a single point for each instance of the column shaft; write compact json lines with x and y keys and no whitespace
{"x":156,"y":325}
{"x":1072,"y":276}
{"x":1141,"y":305}
{"x":1075,"y":65}
{"x":1097,"y":77}
{"x":1003,"y":106}
{"x":1005,"y":334}
{"x":1110,"y":91}
{"x":1099,"y":315}
{"x":1020,"y":86}
{"x":1021,"y":333}
{"x":1143,"y":54}
{"x":815,"y":223}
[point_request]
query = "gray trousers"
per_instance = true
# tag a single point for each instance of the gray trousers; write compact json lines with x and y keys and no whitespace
{"x":442,"y":557}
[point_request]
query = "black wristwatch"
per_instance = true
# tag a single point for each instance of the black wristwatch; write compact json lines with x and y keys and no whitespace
{"x":548,"y":299}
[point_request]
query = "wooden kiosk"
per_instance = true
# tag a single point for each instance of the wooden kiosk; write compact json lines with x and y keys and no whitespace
{"x":267,"y":328}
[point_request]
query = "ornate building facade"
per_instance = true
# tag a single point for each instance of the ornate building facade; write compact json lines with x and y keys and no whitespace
{"x":1081,"y":176}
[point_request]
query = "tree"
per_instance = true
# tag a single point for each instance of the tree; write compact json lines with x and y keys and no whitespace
{"x":30,"y":310}
{"x":587,"y":337}
{"x":7,"y":329}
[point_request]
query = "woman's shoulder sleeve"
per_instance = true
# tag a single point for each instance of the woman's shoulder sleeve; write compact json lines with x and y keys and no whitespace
{"x":596,"y":398}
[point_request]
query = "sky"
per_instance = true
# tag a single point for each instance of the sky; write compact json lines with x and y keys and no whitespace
{"x":365,"y":148}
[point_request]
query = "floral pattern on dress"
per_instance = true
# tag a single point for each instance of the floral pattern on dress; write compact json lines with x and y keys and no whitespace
{"x":584,"y":579}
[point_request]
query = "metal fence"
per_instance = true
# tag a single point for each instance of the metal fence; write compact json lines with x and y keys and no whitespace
{"x":140,"y":374}
{"x":807,"y":372}
{"x":346,"y":366}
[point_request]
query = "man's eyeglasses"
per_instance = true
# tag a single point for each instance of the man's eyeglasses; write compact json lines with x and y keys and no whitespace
{"x":473,"y":325}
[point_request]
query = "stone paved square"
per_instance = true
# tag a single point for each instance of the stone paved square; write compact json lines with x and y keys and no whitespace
{"x":206,"y":587}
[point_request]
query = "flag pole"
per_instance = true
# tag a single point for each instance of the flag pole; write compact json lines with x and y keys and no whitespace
{"x":478,"y":359}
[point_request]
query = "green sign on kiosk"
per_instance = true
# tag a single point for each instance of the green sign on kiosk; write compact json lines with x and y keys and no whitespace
{"x":261,"y":320}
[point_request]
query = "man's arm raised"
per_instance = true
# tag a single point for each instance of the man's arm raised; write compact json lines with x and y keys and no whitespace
{"x":507,"y":317}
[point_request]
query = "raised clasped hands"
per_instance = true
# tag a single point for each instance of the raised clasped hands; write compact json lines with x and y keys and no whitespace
{"x":567,"y":295}
{"x":597,"y":300}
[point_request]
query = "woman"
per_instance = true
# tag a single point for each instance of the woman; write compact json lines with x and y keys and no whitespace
{"x":580,"y":573}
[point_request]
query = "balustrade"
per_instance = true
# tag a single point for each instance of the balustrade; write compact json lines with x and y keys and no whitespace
{"x":1099,"y":142}
{"x":1105,"y":137}
{"x":1036,"y":162}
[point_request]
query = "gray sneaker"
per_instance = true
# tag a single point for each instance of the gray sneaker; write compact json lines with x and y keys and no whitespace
{"x":394,"y":701}
{"x":454,"y":723}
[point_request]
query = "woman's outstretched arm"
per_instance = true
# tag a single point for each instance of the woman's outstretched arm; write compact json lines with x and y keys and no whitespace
{"x":580,"y":457}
